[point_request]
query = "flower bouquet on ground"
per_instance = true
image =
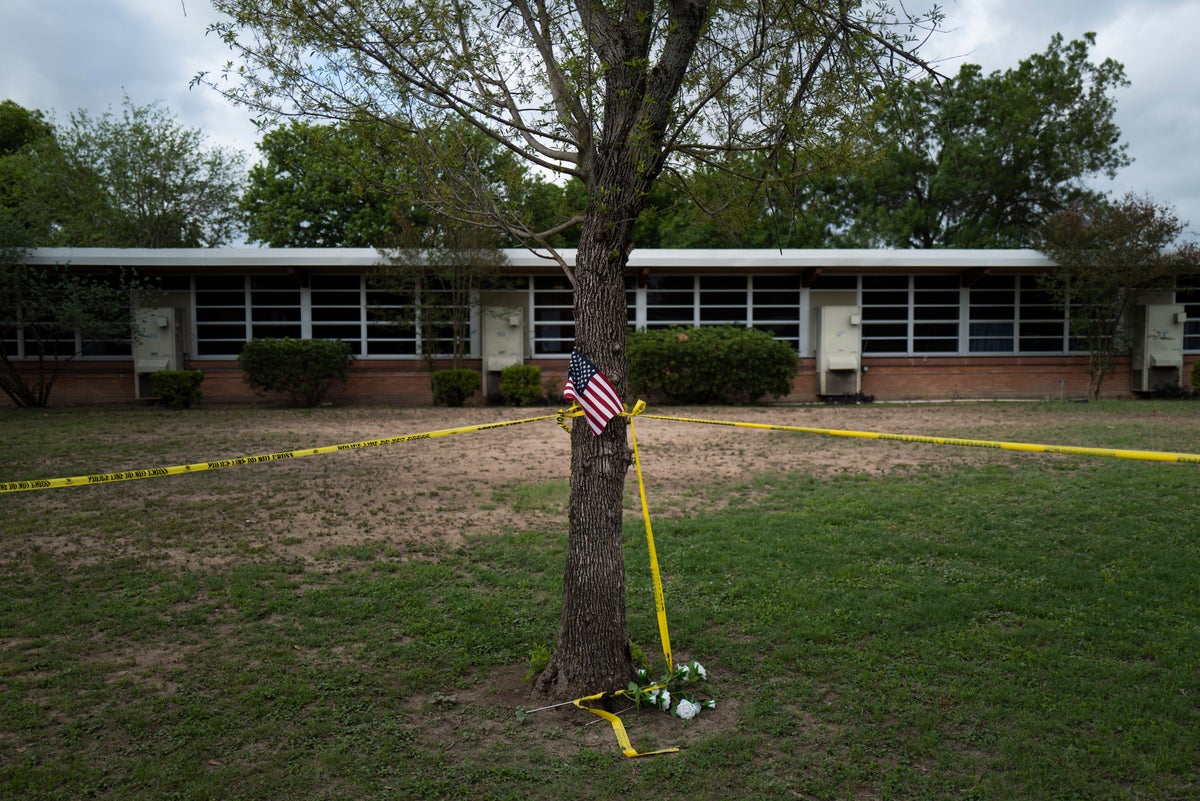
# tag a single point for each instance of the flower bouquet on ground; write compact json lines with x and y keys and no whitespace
{"x":678,"y":693}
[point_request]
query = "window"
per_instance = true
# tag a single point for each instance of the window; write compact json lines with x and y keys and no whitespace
{"x":1043,"y":326}
{"x":337,"y":309}
{"x":775,"y":305}
{"x":274,"y":307}
{"x":936,"y":304}
{"x":992,"y":310}
{"x":391,"y":331}
{"x":553,"y":315}
{"x":1188,"y":294}
{"x":220,"y":315}
{"x":670,"y":300}
{"x":885,"y":314}
{"x":723,"y":300}
{"x":1010,"y":314}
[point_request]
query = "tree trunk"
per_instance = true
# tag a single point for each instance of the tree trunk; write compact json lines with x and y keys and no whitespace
{"x":593,"y":641}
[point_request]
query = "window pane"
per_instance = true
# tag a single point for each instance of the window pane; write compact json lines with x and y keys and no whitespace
{"x":553,"y":315}
{"x":220,"y":315}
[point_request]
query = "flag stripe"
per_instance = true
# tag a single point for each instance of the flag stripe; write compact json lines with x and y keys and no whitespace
{"x":589,"y":388}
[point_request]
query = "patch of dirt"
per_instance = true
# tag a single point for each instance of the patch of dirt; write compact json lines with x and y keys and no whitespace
{"x":441,"y":490}
{"x":429,"y":494}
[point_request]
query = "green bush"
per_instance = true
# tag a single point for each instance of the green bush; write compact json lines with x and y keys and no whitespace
{"x":178,"y":389}
{"x":1196,"y":377}
{"x":453,"y":387}
{"x":521,"y":384}
{"x":305,"y":369}
{"x":713,"y":364}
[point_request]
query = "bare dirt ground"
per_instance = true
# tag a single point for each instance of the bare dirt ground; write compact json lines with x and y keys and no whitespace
{"x":441,"y":490}
{"x":431,"y":494}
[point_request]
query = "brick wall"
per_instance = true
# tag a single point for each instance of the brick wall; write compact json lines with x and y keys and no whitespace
{"x":406,"y":383}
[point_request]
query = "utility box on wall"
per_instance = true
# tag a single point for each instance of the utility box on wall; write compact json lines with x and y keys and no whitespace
{"x":503,"y":343}
{"x":158,"y":345}
{"x":1156,"y":332}
{"x":838,"y":350}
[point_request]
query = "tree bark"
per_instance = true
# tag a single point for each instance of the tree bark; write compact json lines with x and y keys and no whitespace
{"x":593,"y":642}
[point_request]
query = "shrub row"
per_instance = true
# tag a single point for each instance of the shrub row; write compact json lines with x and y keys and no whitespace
{"x":713,"y":364}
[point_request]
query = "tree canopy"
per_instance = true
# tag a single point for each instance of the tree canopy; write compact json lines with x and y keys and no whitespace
{"x":980,"y":160}
{"x":311,"y":189}
{"x":135,"y":180}
{"x":366,"y":184}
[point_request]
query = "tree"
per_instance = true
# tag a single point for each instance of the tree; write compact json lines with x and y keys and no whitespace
{"x":32,"y":172}
{"x":312,"y":190}
{"x":441,"y":272}
{"x":163,"y":187}
{"x":21,"y":127}
{"x":49,"y":315}
{"x":138,"y":180}
{"x":978,"y":161}
{"x":609,"y":92}
{"x":1106,"y":255}
{"x":365,"y":184}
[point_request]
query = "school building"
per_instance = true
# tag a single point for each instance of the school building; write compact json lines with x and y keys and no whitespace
{"x":893,"y":324}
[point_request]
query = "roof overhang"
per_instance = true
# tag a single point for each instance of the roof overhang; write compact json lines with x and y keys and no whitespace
{"x":642,"y":261}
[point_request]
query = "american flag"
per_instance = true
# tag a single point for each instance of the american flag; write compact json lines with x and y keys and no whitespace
{"x":588,"y":387}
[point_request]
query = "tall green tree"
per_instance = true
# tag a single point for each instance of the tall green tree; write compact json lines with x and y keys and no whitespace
{"x":1107,"y":255}
{"x":316,"y":187}
{"x":140,"y":179}
{"x":368,"y":184}
{"x":609,"y":92}
{"x":977,"y":161}
{"x":162,"y":186}
{"x":33,"y":186}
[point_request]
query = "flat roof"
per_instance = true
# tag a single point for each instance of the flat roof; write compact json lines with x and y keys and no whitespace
{"x":772,"y":260}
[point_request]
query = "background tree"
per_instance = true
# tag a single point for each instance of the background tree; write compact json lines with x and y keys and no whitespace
{"x":316,"y":187}
{"x":1107,"y":255}
{"x":978,"y":161}
{"x":50,"y":315}
{"x":611,"y":94}
{"x":33,"y":186}
{"x":363,"y":184}
{"x":138,"y":180}
{"x":162,"y":186}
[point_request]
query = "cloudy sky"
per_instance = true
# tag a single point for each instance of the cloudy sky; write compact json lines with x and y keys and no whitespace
{"x":64,"y":55}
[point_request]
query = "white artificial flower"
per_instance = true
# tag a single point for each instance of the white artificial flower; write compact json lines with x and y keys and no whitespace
{"x":710,"y":704}
{"x":664,"y":701}
{"x":687,"y":710}
{"x":700,"y":669}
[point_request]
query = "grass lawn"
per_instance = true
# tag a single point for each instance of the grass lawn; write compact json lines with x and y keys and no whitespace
{"x":1025,"y":628}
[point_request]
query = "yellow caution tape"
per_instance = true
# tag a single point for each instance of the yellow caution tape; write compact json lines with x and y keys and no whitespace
{"x":660,"y":604}
{"x":618,"y":728}
{"x":129,"y":475}
{"x":1113,"y":453}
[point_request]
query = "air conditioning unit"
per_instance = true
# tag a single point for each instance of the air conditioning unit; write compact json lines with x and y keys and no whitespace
{"x":157,"y":345}
{"x":838,"y":350}
{"x":1156,"y":339}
